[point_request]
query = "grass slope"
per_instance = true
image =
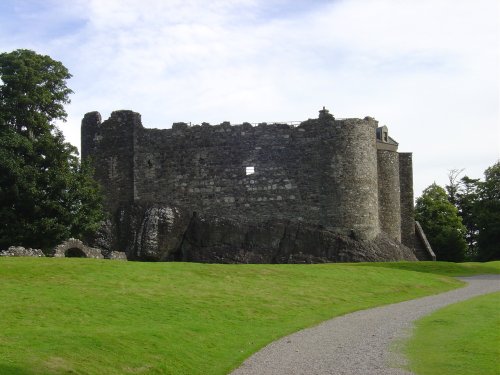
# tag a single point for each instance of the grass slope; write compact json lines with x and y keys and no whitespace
{"x":461,"y":339}
{"x":442,"y":268}
{"x":85,"y":316}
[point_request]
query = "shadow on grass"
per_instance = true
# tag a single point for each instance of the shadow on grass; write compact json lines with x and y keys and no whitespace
{"x":13,"y":370}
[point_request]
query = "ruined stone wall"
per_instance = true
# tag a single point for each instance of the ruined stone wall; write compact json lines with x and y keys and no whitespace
{"x":110,"y":145}
{"x":204,"y":168}
{"x":322,"y":172}
{"x":389,"y":193}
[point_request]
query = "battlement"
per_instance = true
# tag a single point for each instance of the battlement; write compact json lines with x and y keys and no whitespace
{"x":337,"y":173}
{"x":129,"y":118}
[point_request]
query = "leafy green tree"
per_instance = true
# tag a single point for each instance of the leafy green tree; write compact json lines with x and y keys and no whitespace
{"x":441,"y":223}
{"x":33,"y":92}
{"x":487,"y":215}
{"x":46,"y":194}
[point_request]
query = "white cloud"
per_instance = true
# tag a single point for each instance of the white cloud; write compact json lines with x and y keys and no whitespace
{"x":427,"y":69}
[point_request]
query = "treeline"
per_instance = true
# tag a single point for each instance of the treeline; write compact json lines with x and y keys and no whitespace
{"x":462,"y":220}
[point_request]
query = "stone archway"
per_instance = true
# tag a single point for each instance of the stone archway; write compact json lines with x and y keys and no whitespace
{"x":75,"y":252}
{"x":74,"y":248}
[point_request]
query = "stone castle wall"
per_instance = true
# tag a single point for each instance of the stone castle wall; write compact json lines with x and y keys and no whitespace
{"x":324,"y":172}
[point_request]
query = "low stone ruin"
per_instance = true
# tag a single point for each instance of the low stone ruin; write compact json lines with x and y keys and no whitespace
{"x":115,"y":255}
{"x":74,"y":248}
{"x":19,"y":251}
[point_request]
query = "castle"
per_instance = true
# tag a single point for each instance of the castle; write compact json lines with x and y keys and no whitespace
{"x":342,"y":175}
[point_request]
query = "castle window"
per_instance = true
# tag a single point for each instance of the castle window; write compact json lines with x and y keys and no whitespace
{"x":383,"y":134}
{"x":249,"y":170}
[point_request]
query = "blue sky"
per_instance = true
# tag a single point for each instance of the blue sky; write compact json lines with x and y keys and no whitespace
{"x":427,"y":69}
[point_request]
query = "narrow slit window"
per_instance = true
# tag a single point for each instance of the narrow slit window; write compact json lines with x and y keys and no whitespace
{"x":250,"y":170}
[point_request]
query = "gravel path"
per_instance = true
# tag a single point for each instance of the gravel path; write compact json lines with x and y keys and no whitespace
{"x":357,"y":343}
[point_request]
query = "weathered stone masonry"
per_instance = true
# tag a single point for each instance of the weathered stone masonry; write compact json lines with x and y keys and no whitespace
{"x":343,"y":175}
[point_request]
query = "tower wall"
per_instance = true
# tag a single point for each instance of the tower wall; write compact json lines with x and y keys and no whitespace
{"x":352,"y":178}
{"x":90,"y":127}
{"x":110,"y":145}
{"x":406,"y":187}
{"x":389,"y":193}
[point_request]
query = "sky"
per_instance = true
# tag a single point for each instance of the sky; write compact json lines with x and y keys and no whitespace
{"x":428,"y":69}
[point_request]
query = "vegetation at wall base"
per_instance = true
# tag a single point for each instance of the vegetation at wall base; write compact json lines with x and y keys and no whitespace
{"x":88,"y":316}
{"x":460,"y":339}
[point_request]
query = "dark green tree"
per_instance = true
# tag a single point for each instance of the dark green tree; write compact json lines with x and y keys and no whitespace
{"x":442,"y":224}
{"x":454,"y":186}
{"x":487,"y":215}
{"x":46,"y":194}
{"x":463,"y":194}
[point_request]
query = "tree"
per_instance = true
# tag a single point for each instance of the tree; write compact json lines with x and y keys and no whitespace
{"x":454,"y":187}
{"x":487,"y":214}
{"x":441,"y":223}
{"x":463,"y":194}
{"x":33,"y":92}
{"x":46,"y":194}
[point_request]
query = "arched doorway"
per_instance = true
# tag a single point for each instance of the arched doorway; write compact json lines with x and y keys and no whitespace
{"x":75,"y":252}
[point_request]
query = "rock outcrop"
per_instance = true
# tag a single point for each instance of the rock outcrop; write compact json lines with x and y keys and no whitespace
{"x":165,"y":233}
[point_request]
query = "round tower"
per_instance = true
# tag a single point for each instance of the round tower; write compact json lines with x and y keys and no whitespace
{"x":353,"y":167}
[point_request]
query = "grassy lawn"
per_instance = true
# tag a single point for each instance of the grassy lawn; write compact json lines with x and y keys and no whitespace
{"x":460,"y":339}
{"x":86,"y":316}
{"x":442,"y":268}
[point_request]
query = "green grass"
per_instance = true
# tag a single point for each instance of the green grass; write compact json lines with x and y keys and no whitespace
{"x":461,"y":339}
{"x":85,"y":316}
{"x":442,"y":268}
